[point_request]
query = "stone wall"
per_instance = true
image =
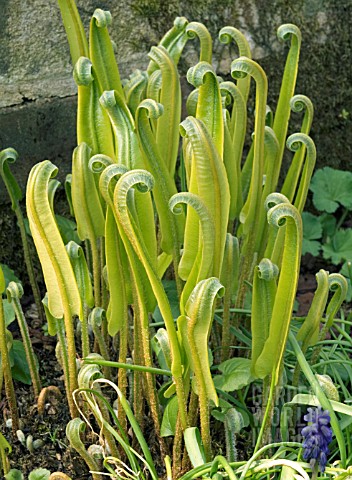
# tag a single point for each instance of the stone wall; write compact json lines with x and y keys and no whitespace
{"x":38,"y":95}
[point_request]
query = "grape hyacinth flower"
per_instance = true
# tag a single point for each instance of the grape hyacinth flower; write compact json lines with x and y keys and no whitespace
{"x":317,"y":435}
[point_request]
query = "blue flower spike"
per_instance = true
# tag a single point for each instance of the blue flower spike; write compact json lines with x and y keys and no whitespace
{"x":317,"y":435}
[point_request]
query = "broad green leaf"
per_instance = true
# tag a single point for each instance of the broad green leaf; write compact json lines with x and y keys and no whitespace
{"x":168,"y":424}
{"x":9,"y":275}
{"x":311,"y":246}
{"x":39,"y":474}
{"x":331,"y":188}
{"x":312,"y":228}
{"x":236,"y":374}
{"x":9,"y":312}
{"x":14,"y":474}
{"x":340,"y":246}
{"x":68,"y":229}
{"x":171,"y":292}
{"x":328,"y":222}
{"x":19,"y":366}
{"x":312,"y":231}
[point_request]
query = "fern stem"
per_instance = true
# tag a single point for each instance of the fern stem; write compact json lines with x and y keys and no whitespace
{"x":29,"y":264}
{"x":27,"y":346}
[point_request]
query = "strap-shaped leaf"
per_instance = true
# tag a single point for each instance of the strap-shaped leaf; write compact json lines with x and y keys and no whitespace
{"x":59,"y":278}
{"x":123,"y":124}
{"x":116,"y":258}
{"x":191,"y":103}
{"x":272,"y":200}
{"x":101,"y":52}
{"x":231,"y":34}
{"x":68,"y":191}
{"x":135,"y":90}
{"x":74,"y":29}
{"x":196,"y":29}
{"x":162,"y":338}
{"x":52,"y":321}
{"x":194,"y":446}
{"x":302,"y":141}
{"x":298,"y":103}
{"x":93,"y":126}
{"x":199,"y":310}
{"x":203,"y":262}
{"x":120,"y":256}
{"x":229,"y":278}
{"x":271,"y":149}
{"x":233,"y":170}
{"x":171,"y":227}
{"x":129,"y":154}
{"x":145,"y":180}
{"x":210,"y":179}
{"x":85,"y":197}
{"x":282,"y":114}
{"x":338,"y":284}
{"x":270,"y":358}
{"x":154,"y":87}
{"x":174,"y":41}
{"x":309,"y":331}
{"x":167,"y":136}
{"x":295,"y":142}
{"x":7,"y":156}
{"x":209,"y":104}
{"x":233,"y":155}
{"x":73,"y":432}
{"x":240,"y":68}
{"x":80,"y":268}
{"x":263,"y":297}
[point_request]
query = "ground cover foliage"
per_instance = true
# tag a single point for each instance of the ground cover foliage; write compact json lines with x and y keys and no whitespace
{"x":171,"y":290}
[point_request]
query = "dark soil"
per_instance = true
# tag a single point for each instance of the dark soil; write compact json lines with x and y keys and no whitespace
{"x":55,"y":453}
